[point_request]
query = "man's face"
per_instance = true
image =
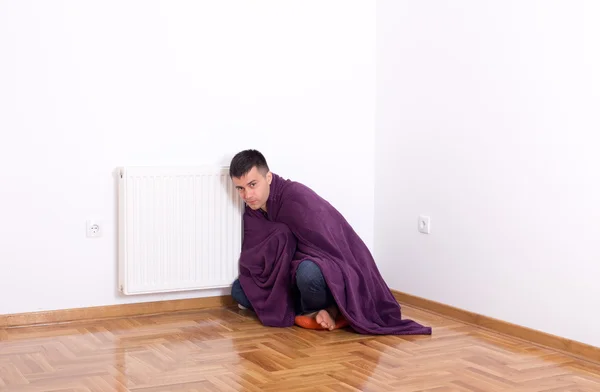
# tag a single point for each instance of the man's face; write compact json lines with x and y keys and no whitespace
{"x":254,"y":188}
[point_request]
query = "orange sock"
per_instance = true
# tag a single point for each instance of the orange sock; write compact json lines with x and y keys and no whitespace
{"x":309,"y":322}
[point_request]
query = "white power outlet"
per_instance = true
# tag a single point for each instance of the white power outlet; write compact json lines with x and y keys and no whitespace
{"x":93,"y":229}
{"x":424,"y":224}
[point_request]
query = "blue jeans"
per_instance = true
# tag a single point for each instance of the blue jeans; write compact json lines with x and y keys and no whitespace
{"x":311,"y":293}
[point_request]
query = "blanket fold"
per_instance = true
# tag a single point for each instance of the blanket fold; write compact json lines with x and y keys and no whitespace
{"x":265,"y":269}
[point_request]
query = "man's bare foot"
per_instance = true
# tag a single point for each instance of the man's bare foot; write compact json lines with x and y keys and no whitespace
{"x":326,"y":317}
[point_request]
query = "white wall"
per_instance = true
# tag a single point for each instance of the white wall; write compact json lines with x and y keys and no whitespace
{"x":488,"y":121}
{"x":87,"y":87}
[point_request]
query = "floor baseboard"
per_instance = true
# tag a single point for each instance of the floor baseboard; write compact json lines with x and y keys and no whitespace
{"x":578,"y":349}
{"x":112,"y":311}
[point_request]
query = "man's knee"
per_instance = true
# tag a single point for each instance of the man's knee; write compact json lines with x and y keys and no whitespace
{"x":309,"y":276}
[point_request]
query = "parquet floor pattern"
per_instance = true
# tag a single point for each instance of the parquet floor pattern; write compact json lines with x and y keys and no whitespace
{"x":227,"y":349}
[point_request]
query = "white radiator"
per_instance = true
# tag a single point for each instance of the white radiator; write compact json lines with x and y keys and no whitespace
{"x":179,"y":229}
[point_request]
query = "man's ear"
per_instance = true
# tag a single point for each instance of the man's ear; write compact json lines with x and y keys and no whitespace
{"x":269,"y":178}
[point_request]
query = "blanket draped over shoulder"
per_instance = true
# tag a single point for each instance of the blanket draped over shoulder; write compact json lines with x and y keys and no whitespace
{"x":300,"y":225}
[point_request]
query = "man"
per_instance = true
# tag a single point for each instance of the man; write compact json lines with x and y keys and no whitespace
{"x":300,"y":258}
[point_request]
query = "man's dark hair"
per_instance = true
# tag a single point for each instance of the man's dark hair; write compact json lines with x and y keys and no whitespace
{"x":245,"y":160}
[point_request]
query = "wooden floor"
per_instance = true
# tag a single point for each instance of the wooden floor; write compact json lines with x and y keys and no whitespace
{"x":228,"y":350}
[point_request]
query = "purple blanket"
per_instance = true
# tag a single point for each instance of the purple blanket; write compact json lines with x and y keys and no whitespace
{"x":301,"y":225}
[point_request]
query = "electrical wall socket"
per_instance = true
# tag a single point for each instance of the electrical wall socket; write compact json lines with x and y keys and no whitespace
{"x":424,"y":224}
{"x":93,"y":229}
